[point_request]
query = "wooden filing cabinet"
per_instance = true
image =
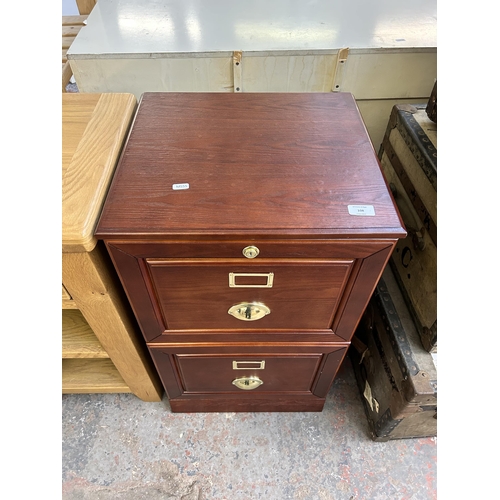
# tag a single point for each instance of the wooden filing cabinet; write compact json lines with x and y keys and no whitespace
{"x":249,"y":232}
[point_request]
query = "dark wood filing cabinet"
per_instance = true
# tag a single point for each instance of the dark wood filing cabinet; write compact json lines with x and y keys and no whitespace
{"x":249,"y":232}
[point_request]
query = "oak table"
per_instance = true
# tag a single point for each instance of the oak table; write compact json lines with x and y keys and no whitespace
{"x":102,"y":349}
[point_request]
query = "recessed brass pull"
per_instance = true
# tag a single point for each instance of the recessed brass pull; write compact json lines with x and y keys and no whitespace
{"x":268,"y":284}
{"x":249,"y":311}
{"x":247,"y":383}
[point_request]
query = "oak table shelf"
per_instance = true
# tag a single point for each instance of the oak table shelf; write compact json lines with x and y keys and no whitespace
{"x":83,"y":376}
{"x":78,"y":339}
{"x":102,"y":349}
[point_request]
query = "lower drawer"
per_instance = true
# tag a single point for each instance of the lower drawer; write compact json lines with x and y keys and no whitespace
{"x":247,"y":378}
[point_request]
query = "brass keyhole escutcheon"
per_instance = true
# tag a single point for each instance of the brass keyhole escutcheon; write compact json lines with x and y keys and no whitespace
{"x":249,"y":311}
{"x":251,"y":252}
{"x":247,"y":383}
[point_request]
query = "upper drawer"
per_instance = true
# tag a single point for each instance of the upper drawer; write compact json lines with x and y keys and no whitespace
{"x":231,"y":294}
{"x":304,"y":285}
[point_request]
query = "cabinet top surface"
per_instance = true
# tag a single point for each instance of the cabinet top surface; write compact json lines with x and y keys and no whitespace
{"x":128,"y":27}
{"x":94,"y":127}
{"x":262,"y":163}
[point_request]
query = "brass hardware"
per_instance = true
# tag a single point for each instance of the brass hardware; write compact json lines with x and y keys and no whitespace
{"x":249,"y":311}
{"x":247,"y":383}
{"x":268,"y":284}
{"x":258,"y":365}
{"x":251,"y":252}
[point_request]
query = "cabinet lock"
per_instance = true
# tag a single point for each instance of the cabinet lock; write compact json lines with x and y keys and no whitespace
{"x":251,"y":252}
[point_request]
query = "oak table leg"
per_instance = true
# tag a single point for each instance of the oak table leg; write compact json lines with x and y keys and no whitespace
{"x":87,"y":278}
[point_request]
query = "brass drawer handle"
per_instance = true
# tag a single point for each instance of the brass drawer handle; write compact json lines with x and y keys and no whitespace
{"x":268,"y":284}
{"x":249,"y":311}
{"x":247,"y":383}
{"x":249,"y":365}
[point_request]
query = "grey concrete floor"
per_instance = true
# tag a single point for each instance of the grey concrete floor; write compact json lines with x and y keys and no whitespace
{"x":116,"y":446}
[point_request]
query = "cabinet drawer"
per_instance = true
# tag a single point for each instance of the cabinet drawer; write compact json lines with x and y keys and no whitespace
{"x":231,"y":373}
{"x":242,"y":371}
{"x":175,"y":294}
{"x":218,"y":294}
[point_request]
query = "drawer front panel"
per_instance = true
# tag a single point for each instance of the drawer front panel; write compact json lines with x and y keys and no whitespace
{"x":247,"y":371}
{"x":220,"y":294}
{"x":283,"y":373}
{"x":183,"y":294}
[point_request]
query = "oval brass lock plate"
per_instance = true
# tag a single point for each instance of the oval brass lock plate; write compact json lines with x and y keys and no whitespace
{"x":247,"y":383}
{"x":249,"y":311}
{"x":251,"y":252}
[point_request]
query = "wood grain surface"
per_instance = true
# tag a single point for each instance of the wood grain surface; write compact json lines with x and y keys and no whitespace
{"x":196,"y":295}
{"x":265,"y":163}
{"x":82,"y":376}
{"x":106,"y":310}
{"x":78,"y":339}
{"x":93,"y":131}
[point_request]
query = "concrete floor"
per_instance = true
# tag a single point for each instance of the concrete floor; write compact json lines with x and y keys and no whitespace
{"x":116,"y":446}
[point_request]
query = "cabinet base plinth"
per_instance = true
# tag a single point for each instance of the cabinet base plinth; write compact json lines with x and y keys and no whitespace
{"x":225,"y":405}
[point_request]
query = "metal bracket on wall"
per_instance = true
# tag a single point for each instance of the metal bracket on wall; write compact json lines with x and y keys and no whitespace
{"x":237,"y":56}
{"x":339,"y":69}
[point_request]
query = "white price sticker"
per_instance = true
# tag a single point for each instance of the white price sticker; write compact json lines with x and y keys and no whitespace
{"x":177,"y":187}
{"x":363,"y":210}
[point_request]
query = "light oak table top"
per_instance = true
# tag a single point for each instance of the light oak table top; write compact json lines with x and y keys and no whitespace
{"x":94,"y":127}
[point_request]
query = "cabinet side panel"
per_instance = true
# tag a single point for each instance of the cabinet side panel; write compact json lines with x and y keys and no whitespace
{"x":168,"y":374}
{"x":366,"y":281}
{"x":328,"y":372}
{"x":130,"y":274}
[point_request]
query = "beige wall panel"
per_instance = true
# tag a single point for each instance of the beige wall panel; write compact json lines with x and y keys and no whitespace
{"x":288,"y":73}
{"x":265,"y":73}
{"x":136,"y":76}
{"x":390,"y":75}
